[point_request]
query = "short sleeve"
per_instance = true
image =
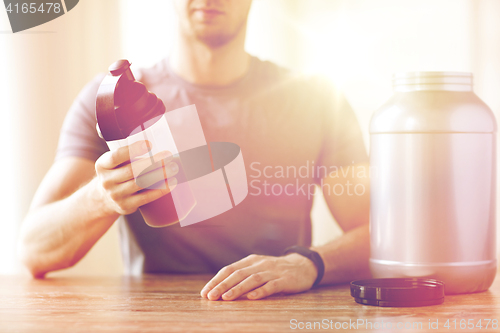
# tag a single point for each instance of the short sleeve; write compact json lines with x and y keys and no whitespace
{"x":78,"y":137}
{"x":342,"y":140}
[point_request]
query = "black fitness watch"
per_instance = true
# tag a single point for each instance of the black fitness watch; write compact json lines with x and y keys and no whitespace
{"x":311,"y":255}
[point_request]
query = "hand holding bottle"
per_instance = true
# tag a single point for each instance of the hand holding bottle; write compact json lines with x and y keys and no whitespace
{"x":121,"y":191}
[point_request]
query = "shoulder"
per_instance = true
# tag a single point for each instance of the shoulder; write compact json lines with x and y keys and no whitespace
{"x":85,"y":101}
{"x":93,"y":85}
{"x":267,"y":71}
{"x":152,"y":75}
{"x":295,"y":86}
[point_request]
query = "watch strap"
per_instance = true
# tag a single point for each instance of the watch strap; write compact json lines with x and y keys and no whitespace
{"x":311,"y":255}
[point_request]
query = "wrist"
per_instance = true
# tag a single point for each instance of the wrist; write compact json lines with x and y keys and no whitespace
{"x":313,"y":257}
{"x":95,"y":196}
{"x":306,"y":265}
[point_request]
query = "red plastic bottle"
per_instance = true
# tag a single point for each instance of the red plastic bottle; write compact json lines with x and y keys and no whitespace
{"x":127,"y":112}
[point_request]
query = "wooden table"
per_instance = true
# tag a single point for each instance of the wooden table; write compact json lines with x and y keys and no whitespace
{"x":162,"y":303}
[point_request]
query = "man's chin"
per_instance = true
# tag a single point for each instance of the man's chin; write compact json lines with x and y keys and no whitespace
{"x":214,"y":40}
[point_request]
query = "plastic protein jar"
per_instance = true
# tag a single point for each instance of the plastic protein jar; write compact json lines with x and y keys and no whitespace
{"x":433,"y":183}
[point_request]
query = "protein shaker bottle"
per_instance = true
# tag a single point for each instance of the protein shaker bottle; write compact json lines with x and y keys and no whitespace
{"x":433,"y":183}
{"x":126,"y":112}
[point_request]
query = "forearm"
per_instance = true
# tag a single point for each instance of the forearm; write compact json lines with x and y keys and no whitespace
{"x":57,"y":235}
{"x":346,"y":258}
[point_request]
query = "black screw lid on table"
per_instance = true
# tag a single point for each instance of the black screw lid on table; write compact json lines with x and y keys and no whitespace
{"x":401,"y":292}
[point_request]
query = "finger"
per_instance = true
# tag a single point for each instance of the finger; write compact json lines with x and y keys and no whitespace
{"x":268,"y":289}
{"x":228,"y":270}
{"x":148,"y":196}
{"x":236,"y":277}
{"x":232,"y":280}
{"x":146,"y":164}
{"x":133,"y":170}
{"x":253,"y":281}
{"x":123,"y":154}
{"x":156,"y":179}
{"x":130,"y":188}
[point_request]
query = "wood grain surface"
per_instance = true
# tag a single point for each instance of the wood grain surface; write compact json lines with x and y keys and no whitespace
{"x":171,"y":303}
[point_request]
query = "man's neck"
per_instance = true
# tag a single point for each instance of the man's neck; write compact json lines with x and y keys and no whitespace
{"x":200,"y":64}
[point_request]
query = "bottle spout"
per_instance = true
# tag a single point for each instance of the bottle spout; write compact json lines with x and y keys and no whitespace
{"x":120,"y":67}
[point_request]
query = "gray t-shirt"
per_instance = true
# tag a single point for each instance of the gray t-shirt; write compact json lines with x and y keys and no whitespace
{"x":290,"y":129}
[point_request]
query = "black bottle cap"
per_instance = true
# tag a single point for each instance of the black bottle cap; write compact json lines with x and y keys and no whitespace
{"x":398,"y":292}
{"x":119,"y":67}
{"x":124,"y":104}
